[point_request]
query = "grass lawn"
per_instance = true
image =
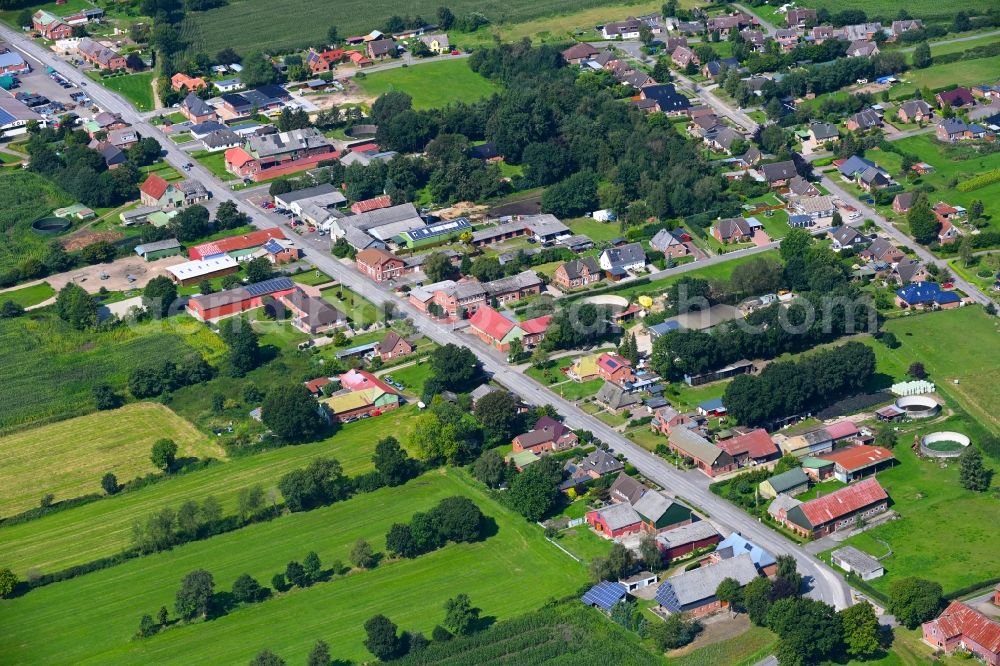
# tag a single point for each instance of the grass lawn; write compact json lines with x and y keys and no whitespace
{"x":103,"y":528}
{"x":938,"y":49}
{"x":963,"y":72}
{"x":582,"y":542}
{"x":214,"y":162}
{"x":28,"y":296}
{"x":552,"y":374}
{"x":69,"y":7}
{"x":164,"y":170}
{"x":314,"y":277}
{"x":79,"y":451}
{"x":57,"y":366}
{"x":573,"y":390}
{"x":750,"y":646}
{"x":411,"y":592}
{"x":413,"y":377}
{"x":595,"y":230}
{"x":360,"y":311}
{"x":136,"y":88}
{"x":821,"y":490}
{"x":927,"y":495}
{"x":720,"y":271}
{"x":646,"y":438}
{"x":432,"y":84}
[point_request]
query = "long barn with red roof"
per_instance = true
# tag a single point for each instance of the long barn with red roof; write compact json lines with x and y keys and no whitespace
{"x":242,"y":244}
{"x":839,"y":509}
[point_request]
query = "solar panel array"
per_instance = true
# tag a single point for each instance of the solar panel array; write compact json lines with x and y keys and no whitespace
{"x":431,"y":230}
{"x":604,"y":595}
{"x":270,"y":286}
{"x":667,"y":597}
{"x":6,"y":117}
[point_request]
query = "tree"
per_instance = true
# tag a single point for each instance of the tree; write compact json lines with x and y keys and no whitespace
{"x":460,"y":615}
{"x":381,"y":638}
{"x":917,"y":370}
{"x":163,"y":616}
{"x":164,"y":454}
{"x":76,"y":307}
{"x":573,"y":196}
{"x":291,"y":413}
{"x":228,"y":216}
{"x":319,"y":655}
{"x":976,"y":209}
{"x":961,"y":23}
{"x":246,"y":590}
{"x":257,"y":71}
{"x":267,"y":658}
{"x":313,"y":567}
{"x":788,"y":570}
{"x":438,"y":267}
{"x":190,"y":224}
{"x":109,"y":483}
{"x":9,"y":310}
{"x":105,"y":397}
{"x":971,"y":472}
{"x":8,"y":582}
{"x":650,"y":554}
{"x":362,"y":555}
{"x":860,"y":628}
{"x":146,"y":626}
{"x":258,"y":270}
{"x":295,"y":574}
{"x":497,"y":411}
{"x":922,"y":56}
{"x":195,"y":595}
{"x":244,"y":350}
{"x":965,"y":250}
{"x":490,"y":468}
{"x":535,"y":492}
{"x":913,"y":600}
{"x":809,"y":630}
{"x":399,"y":541}
{"x":619,"y":563}
{"x":923,"y":223}
{"x":890,"y":340}
{"x":98,"y":253}
{"x":158,"y":295}
{"x":322,"y":481}
{"x":757,"y":600}
{"x":674,"y":632}
{"x":453,"y":366}
{"x":391,"y":462}
{"x":249,"y":501}
{"x":886,"y":437}
{"x":730,"y":592}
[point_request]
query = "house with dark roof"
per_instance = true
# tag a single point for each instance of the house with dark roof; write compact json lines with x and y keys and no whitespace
{"x":693,"y":592}
{"x":955,"y":98}
{"x":626,"y":490}
{"x":915,"y":111}
{"x":620,"y":260}
{"x":732,"y":230}
{"x":838,"y":510}
{"x":659,"y":513}
{"x":663,"y":98}
{"x":707,"y":457}
{"x":669,"y":244}
{"x":881,"y":250}
{"x":714,"y":68}
{"x":547,"y":435}
{"x":857,"y":562}
{"x":862,"y":49}
{"x":926,"y":296}
{"x":578,"y":273}
{"x":100,"y":56}
{"x":311,"y":314}
{"x":903,"y":201}
{"x":196,"y":109}
{"x":951,"y":130}
{"x":379,"y":49}
{"x":822,"y":133}
{"x":845,"y":236}
{"x":615,"y":399}
{"x":910,"y":270}
{"x":679,"y":541}
{"x":799,"y":17}
{"x":597,"y":464}
{"x":961,"y":627}
{"x":778,"y":174}
{"x":863,"y":120}
{"x":393,"y":345}
{"x":156,"y":191}
{"x":577,"y":53}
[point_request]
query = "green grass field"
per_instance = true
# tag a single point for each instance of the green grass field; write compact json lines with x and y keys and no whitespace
{"x":57,"y":366}
{"x":27,"y":197}
{"x":432,"y":84}
{"x":214,"y":162}
{"x":360,"y":311}
{"x":954,"y":163}
{"x":945,"y":532}
{"x":751,"y":645}
{"x":298,"y":23}
{"x":410,"y":592}
{"x":963,"y":72}
{"x":64,"y":9}
{"x":28,"y":296}
{"x":69,"y":458}
{"x":103,"y":528}
{"x":595,"y":230}
{"x":889,"y":8}
{"x":576,"y":390}
{"x":938,"y":49}
{"x":136,"y":88}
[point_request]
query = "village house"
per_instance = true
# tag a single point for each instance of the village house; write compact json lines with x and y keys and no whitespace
{"x":862,"y":49}
{"x":597,"y":464}
{"x":840,"y":509}
{"x":903,"y":201}
{"x":821,"y":33}
{"x":437,"y":43}
{"x":793,"y":482}
{"x":863,"y":120}
{"x":962,"y":627}
{"x":881,"y":250}
{"x":926,"y":296}
{"x":680,"y":541}
{"x":915,"y":111}
{"x":280,"y":154}
{"x":626,"y":489}
{"x":50,"y":26}
{"x":910,"y":270}
{"x":627,"y":29}
{"x":707,"y":457}
{"x":904,"y":26}
{"x":751,"y":448}
{"x":787,"y":38}
{"x":380,"y":265}
{"x":615,"y":369}
{"x":714,"y":68}
{"x":726,"y":24}
{"x":577,"y":273}
{"x":844,"y":237}
{"x":955,"y":98}
{"x":100,"y":56}
{"x":156,"y":191}
{"x":615,"y":399}
{"x":862,"y":31}
{"x":683,"y":56}
{"x":546,"y":436}
{"x":669,"y":244}
{"x":777,"y":174}
{"x":693,"y":592}
{"x":662,"y":98}
{"x":499,"y":331}
{"x":823,"y":133}
{"x":196,"y":109}
{"x":619,"y":261}
{"x":579,"y":53}
{"x":956,"y":129}
{"x":312,"y":315}
{"x":732,"y":230}
{"x":814,"y":207}
{"x":393,"y":345}
{"x":666,"y":418}
{"x":857,"y":462}
{"x":380,"y":49}
{"x":797,"y":17}
{"x":181,"y":81}
{"x":324,"y":61}
{"x":735,"y":544}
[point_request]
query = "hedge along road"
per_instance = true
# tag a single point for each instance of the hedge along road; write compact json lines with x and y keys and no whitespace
{"x":826,"y":584}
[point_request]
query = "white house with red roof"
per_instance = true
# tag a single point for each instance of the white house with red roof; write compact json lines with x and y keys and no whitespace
{"x":962,"y":627}
{"x":498,"y":331}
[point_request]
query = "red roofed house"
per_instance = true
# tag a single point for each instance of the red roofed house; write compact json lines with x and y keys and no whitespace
{"x":393,"y":346}
{"x":858,"y":461}
{"x":498,"y":331}
{"x":266,"y":156}
{"x":838,"y":510}
{"x":315,"y":386}
{"x":209,"y":307}
{"x":547,"y":435}
{"x":51,"y":26}
{"x":615,"y":369}
{"x":243,"y":245}
{"x":155,"y":191}
{"x":367,"y":205}
{"x":955,"y":98}
{"x":324,"y":61}
{"x":359,"y":380}
{"x":378,"y":264}
{"x":752,"y":448}
{"x":960,"y":626}
{"x":842,"y":430}
{"x":181,"y":80}
{"x":357,"y":58}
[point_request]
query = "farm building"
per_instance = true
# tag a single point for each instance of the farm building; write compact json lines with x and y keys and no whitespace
{"x":363,"y":394}
{"x":962,"y":627}
{"x":858,"y":462}
{"x":793,"y":482}
{"x":838,"y":510}
{"x":708,"y":457}
{"x":434,"y":233}
{"x":209,"y":307}
{"x":498,"y":331}
{"x":270,"y":155}
{"x":239,"y":247}
{"x":860,"y":563}
{"x":157,"y":250}
{"x":682,"y":540}
{"x":694,"y":591}
{"x":735,"y":545}
{"x":751,"y":448}
{"x":193,"y":272}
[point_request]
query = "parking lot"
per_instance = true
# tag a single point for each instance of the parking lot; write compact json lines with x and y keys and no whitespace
{"x":39,"y":82}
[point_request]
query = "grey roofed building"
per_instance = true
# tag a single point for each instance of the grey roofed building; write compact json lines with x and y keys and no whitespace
{"x":615,"y":397}
{"x":779,"y":171}
{"x":486,"y":235}
{"x":368,"y":157}
{"x":656,"y":330}
{"x":789,"y":480}
{"x":574,"y":269}
{"x":782,"y":502}
{"x":666,"y":97}
{"x":652,"y":505}
{"x":381,"y":47}
{"x":874,"y":176}
{"x":802,"y":187}
{"x":860,"y":31}
{"x":824,"y":131}
{"x":523,"y":280}
{"x":696,"y":531}
{"x":858,"y":562}
{"x":880,"y":247}
{"x":915,"y":107}
{"x":696,"y":588}
{"x":192,"y":189}
{"x":619,"y":515}
{"x":481,"y":392}
{"x":137,"y":215}
{"x":694,"y":445}
{"x":866,"y":119}
{"x":731,"y":227}
{"x":577,"y":242}
{"x":324,"y":195}
{"x":111,"y":153}
{"x":359,"y":240}
{"x":601,"y":462}
{"x":626,"y":489}
{"x":318,"y":313}
{"x":219,"y":139}
{"x":626,"y":255}
{"x":907,"y":268}
{"x":286,"y":142}
{"x":726,"y":136}
{"x":663,"y":240}
{"x":545,"y":226}
{"x":905,"y":200}
{"x":861,"y":48}
{"x":197,"y":106}
{"x":204,"y":129}
{"x":123,"y":136}
{"x":156,"y":246}
{"x":845,"y":236}
{"x":854,"y":165}
{"x":381,"y":217}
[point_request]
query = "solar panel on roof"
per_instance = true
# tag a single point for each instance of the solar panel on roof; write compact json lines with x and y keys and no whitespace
{"x":604,"y":595}
{"x":6,"y":117}
{"x":268,"y":286}
{"x":438,"y":229}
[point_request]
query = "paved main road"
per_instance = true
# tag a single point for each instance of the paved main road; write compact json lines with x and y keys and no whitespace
{"x":690,"y":486}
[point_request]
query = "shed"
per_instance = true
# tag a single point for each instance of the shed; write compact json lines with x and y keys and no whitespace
{"x":793,"y":482}
{"x":639,"y":581}
{"x":604,"y":595}
{"x":852,"y":560}
{"x":159,"y":249}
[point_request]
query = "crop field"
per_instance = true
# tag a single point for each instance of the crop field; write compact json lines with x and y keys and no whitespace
{"x":136,"y":88}
{"x":103,"y":528}
{"x":298,"y":23}
{"x":61,"y":623}
{"x":928,"y":496}
{"x":963,"y":72}
{"x":747,"y":647}
{"x":925,"y":9}
{"x":26,"y":197}
{"x":69,"y":458}
{"x":28,"y":296}
{"x":956,"y":163}
{"x":57,"y":366}
{"x":431,"y":85}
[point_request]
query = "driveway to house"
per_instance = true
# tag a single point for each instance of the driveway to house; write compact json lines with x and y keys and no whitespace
{"x":825,"y":584}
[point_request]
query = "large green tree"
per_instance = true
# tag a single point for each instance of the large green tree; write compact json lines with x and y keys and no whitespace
{"x":535,"y":492}
{"x":76,"y":307}
{"x":292,"y":413}
{"x":498,"y":413}
{"x":860,"y":628}
{"x":382,"y":639}
{"x":158,"y":295}
{"x":809,"y":631}
{"x":391,"y":462}
{"x":164,"y":454}
{"x":460,"y":615}
{"x":972,"y":474}
{"x":923,"y":223}
{"x":195,"y":595}
{"x":914,"y":600}
{"x":244,"y":349}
